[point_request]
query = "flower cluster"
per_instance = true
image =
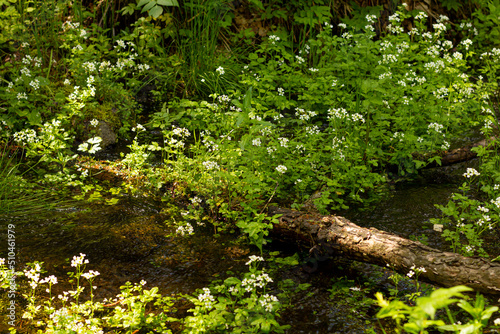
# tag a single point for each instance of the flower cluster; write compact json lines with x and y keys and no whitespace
{"x":182,"y":132}
{"x":267,"y":300}
{"x":206,"y":298}
{"x":274,"y":39}
{"x":281,"y":169}
{"x":220,"y":70}
{"x":26,"y":136}
{"x":470,"y":173}
{"x":256,"y":281}
{"x":91,"y":274}
{"x":253,"y":258}
{"x":210,"y":165}
{"x":91,"y":146}
{"x":34,"y":274}
{"x":414,"y":270}
{"x":304,"y":115}
{"x":185,"y":229}
{"x":436,"y":127}
{"x":79,"y":260}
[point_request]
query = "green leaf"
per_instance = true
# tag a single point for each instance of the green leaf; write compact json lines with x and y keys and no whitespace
{"x":257,"y":3}
{"x":143,"y":2}
{"x":156,"y":11}
{"x":148,"y":6}
{"x":35,"y":118}
{"x":247,"y":100}
{"x":168,"y":3}
{"x":232,"y":281}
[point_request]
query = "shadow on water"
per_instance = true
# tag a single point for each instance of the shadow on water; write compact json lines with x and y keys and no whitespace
{"x":133,"y":241}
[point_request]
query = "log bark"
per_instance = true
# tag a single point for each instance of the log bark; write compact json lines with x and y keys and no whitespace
{"x":334,"y":234}
{"x":458,"y":155}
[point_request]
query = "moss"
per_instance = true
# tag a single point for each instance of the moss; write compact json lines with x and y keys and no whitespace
{"x":104,"y":112}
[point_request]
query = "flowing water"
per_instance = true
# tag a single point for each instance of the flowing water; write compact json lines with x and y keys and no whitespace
{"x":134,"y":241}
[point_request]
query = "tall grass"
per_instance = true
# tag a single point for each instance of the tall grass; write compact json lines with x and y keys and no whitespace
{"x":200,"y":23}
{"x":17,"y":196}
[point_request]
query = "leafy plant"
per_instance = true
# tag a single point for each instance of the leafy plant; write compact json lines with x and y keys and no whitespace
{"x":240,"y":306}
{"x":155,"y":7}
{"x":423,"y":316}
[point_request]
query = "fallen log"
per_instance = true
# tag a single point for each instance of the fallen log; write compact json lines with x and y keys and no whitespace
{"x":334,"y":234}
{"x":457,"y":155}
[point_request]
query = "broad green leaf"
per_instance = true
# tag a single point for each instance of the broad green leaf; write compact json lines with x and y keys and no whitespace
{"x":148,"y":6}
{"x":168,"y":3}
{"x":156,"y":11}
{"x":143,"y":2}
{"x":232,"y":281}
{"x":247,"y":100}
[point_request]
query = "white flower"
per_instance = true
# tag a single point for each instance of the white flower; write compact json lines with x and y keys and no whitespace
{"x":283,"y":141}
{"x":274,"y":38}
{"x":470,"y":173}
{"x":210,"y":165}
{"x":496,"y":322}
{"x":253,"y":258}
{"x":94,"y":140}
{"x":256,"y":142}
{"x":435,"y":126}
{"x":371,"y":18}
{"x":300,"y":60}
{"x":183,"y":230}
{"x":138,"y":128}
{"x":120,"y":43}
{"x":94,"y":122}
{"x":196,"y":200}
{"x":79,"y":260}
{"x":35,"y":84}
{"x":439,"y":27}
{"x":83,"y":147}
{"x":482,"y":208}
{"x":281,"y":169}
{"x":467,"y":43}
{"x":206,"y":298}
{"x":220,"y":70}
{"x":22,"y":96}
{"x":281,"y":91}
{"x":67,"y":82}
{"x":421,"y":16}
{"x":26,"y":72}
{"x":342,"y":25}
{"x":91,"y":274}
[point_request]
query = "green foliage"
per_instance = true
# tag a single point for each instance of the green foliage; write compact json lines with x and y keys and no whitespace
{"x":8,"y":21}
{"x":130,"y":311}
{"x":155,"y":7}
{"x":240,"y":306}
{"x":313,"y":112}
{"x":422,"y":317}
{"x":466,"y":218}
{"x":332,"y":116}
{"x":486,"y":23}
